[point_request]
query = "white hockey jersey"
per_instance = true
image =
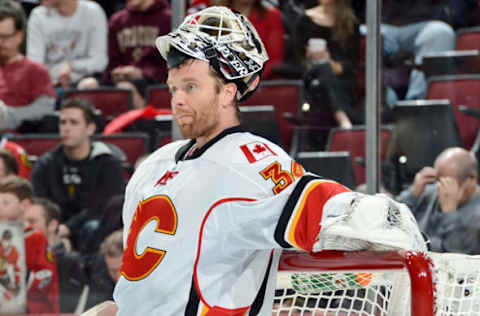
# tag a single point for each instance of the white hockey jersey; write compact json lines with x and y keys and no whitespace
{"x":200,"y":232}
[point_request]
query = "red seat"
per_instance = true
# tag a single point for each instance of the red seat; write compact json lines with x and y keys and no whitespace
{"x":134,"y":145}
{"x":158,"y":96}
{"x":468,"y":38}
{"x":353,"y":141}
{"x":36,"y":144}
{"x":111,"y":101}
{"x":460,"y":90}
{"x":285,"y":96}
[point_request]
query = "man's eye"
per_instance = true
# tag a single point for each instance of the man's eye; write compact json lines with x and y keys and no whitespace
{"x":191,"y":87}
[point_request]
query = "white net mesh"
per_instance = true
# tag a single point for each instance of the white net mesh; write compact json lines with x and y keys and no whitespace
{"x":457,"y":284}
{"x":335,"y":293}
{"x":380,"y":292}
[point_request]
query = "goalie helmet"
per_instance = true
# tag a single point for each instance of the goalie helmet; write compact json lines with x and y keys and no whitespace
{"x":224,"y":39}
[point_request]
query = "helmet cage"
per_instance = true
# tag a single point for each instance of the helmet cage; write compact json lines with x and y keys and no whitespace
{"x":232,"y":47}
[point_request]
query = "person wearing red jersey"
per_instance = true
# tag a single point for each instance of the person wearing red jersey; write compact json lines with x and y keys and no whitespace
{"x":42,"y":280}
{"x":23,"y":166}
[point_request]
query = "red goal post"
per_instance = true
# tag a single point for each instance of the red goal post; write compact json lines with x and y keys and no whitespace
{"x":356,"y":283}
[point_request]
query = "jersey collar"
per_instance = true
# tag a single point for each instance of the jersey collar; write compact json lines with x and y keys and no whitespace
{"x":180,"y":155}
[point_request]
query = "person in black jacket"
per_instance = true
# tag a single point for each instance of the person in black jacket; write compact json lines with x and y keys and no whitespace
{"x":103,"y":269}
{"x":79,"y":175}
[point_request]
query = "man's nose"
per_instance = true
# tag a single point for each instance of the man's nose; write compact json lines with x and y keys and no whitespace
{"x":178,"y":99}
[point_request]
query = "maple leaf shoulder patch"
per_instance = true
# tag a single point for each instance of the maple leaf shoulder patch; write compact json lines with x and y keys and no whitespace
{"x":256,"y":151}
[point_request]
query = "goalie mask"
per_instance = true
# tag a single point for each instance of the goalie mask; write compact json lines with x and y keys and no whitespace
{"x":224,"y":39}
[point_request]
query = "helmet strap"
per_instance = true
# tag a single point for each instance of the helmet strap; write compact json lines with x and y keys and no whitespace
{"x":211,"y":55}
{"x":243,"y":87}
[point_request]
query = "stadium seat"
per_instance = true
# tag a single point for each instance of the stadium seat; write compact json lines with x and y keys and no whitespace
{"x":307,"y":138}
{"x":158,"y":96}
{"x":134,"y":145}
{"x":468,"y":38}
{"x":262,"y":121}
{"x":336,"y":165}
{"x":36,"y":144}
{"x":460,"y":90}
{"x":422,"y":129}
{"x":353,"y":141}
{"x":285,"y":96}
{"x":110,"y":101}
{"x":128,"y":147}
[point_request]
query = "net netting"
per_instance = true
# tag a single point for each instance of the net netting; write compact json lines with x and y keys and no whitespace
{"x":381,"y":289}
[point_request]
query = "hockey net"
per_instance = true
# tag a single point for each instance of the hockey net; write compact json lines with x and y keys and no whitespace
{"x":366,"y":283}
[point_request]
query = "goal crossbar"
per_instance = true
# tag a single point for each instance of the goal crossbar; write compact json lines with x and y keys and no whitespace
{"x":416,"y":264}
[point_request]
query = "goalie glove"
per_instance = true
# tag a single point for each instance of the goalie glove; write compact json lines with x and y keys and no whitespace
{"x":356,"y":221}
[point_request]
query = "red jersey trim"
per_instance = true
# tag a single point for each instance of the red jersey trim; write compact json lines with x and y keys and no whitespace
{"x":300,"y":221}
{"x":216,"y":310}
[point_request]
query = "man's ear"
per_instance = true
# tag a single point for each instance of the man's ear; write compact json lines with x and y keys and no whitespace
{"x":229,"y":94}
{"x":255,"y":83}
{"x":52,"y":226}
{"x":91,"y":127}
{"x":21,"y":36}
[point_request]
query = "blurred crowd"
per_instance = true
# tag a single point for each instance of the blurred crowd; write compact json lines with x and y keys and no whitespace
{"x":70,"y":199}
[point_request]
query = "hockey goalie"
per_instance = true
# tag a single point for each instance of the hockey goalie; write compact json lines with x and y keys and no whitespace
{"x":206,"y":217}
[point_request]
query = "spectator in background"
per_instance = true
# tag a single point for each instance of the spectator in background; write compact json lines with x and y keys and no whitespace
{"x":111,"y":220}
{"x":417,"y":31}
{"x":22,"y":165}
{"x":104,"y":269}
{"x":42,"y":283}
{"x":445,"y":200}
{"x":70,"y":38}
{"x":265,"y":18}
{"x":413,"y":27}
{"x":8,"y":164}
{"x":330,"y":73}
{"x":79,"y":174}
{"x":134,"y":62}
{"x":25,"y":86}
{"x":44,"y":215}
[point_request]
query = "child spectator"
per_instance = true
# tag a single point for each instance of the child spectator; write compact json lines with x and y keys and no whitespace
{"x":42,"y":283}
{"x":44,"y":215}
